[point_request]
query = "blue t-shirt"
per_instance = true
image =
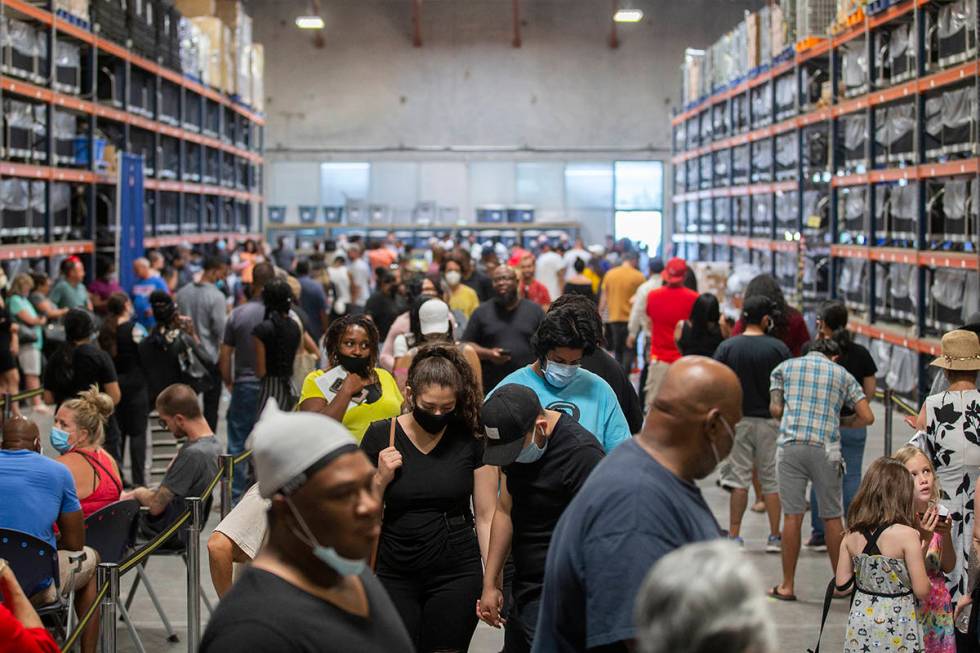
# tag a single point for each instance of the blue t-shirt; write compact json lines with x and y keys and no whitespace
{"x":35,"y":491}
{"x":141,"y":292}
{"x":630,"y":513}
{"x":588,"y":399}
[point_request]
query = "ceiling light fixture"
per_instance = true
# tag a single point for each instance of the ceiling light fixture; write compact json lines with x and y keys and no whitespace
{"x":628,"y":15}
{"x":309,"y":22}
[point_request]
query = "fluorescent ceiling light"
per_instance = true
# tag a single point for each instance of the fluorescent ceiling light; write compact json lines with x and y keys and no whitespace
{"x":628,"y":16}
{"x":309,"y":22}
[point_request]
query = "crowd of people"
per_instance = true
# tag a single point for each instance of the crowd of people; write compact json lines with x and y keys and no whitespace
{"x":450,"y":434}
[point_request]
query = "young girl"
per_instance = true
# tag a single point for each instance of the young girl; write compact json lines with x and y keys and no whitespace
{"x":936,"y":612}
{"x":881,"y":554}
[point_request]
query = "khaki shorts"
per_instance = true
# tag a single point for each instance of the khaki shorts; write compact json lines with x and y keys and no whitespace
{"x":656,"y":370}
{"x":49,"y":595}
{"x":755,"y":447}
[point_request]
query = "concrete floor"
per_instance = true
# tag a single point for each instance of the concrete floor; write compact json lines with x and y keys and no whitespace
{"x":796,"y":623}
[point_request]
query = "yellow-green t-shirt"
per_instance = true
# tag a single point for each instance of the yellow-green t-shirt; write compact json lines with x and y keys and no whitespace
{"x":358,"y":418}
{"x":464,"y":299}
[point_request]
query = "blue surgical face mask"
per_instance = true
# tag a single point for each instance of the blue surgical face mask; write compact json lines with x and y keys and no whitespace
{"x":559,"y":374}
{"x":326,"y":554}
{"x":532,"y":452}
{"x":59,"y":440}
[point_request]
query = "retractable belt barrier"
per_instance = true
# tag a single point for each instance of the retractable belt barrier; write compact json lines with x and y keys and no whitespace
{"x":109,"y":574}
{"x":8,"y":400}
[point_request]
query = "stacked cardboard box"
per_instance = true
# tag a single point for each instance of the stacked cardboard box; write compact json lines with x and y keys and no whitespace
{"x":693,"y":74}
{"x":752,"y":29}
{"x":219,"y":65}
{"x":196,"y":8}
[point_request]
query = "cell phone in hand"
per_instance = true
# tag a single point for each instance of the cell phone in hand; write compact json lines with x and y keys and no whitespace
{"x":505,"y":352}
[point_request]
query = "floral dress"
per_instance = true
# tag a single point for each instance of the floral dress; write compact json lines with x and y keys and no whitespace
{"x":936,"y":614}
{"x":952,"y":442}
{"x":883,"y":616}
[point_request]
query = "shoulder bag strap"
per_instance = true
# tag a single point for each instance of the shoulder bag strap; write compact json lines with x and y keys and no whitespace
{"x":827,"y":599}
{"x":373,"y":560}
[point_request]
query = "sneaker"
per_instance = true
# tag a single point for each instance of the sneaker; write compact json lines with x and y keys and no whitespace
{"x":774,"y":544}
{"x":737,"y":540}
{"x":816,"y":543}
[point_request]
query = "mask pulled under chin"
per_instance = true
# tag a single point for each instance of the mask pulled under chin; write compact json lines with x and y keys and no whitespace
{"x":326,"y":554}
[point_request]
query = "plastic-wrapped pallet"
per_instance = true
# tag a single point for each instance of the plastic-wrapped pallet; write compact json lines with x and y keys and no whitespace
{"x":752,"y":37}
{"x":189,"y":36}
{"x":257,"y":59}
{"x":220,"y":72}
{"x":782,"y":24}
{"x":765,"y":35}
{"x":693,"y":69}
{"x":232,"y":14}
{"x":14,"y":201}
{"x":19,"y":43}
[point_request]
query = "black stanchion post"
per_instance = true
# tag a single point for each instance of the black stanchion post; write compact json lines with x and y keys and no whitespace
{"x":227,"y":474}
{"x":194,"y":573}
{"x":889,"y":421}
{"x":108,"y":572}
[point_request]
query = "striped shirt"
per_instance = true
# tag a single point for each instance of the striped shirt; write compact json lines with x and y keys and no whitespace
{"x":814,"y":390}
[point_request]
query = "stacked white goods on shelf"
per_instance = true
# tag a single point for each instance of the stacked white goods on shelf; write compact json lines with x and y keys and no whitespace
{"x":765,"y":35}
{"x":693,"y":71}
{"x":219,"y":65}
{"x":753,"y":28}
{"x":257,"y":75}
{"x":233,"y":15}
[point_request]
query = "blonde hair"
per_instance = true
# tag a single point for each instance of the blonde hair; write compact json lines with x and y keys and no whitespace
{"x":886,"y":497}
{"x":91,"y":410}
{"x":21,"y":284}
{"x":907,"y":453}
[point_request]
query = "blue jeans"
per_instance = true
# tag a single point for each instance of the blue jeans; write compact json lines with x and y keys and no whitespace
{"x":852,"y":451}
{"x":241,"y":418}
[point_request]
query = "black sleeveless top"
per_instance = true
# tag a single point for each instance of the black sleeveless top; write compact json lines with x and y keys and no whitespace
{"x":702,"y":344}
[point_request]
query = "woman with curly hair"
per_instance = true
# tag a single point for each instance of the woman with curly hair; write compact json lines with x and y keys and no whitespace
{"x":788,"y":323}
{"x":431,"y":548}
{"x":353,"y":389}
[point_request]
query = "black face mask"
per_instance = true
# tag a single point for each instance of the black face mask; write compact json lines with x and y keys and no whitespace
{"x":431,"y":422}
{"x":354,"y":364}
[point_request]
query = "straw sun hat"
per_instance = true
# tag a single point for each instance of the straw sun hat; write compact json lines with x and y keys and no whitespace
{"x":961,"y":351}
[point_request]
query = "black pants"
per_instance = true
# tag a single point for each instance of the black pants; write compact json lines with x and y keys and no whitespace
{"x":213,"y":397}
{"x":521,"y":622}
{"x":619,"y":332}
{"x":438,"y":605}
{"x":132,"y":414}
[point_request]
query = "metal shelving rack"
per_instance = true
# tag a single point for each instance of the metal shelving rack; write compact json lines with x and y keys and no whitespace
{"x":713,"y":136}
{"x":230,"y":207}
{"x":520,"y":230}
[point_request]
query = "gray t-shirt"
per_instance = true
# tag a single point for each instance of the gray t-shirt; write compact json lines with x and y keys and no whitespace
{"x":189,"y":475}
{"x":205,"y":305}
{"x":238,"y":334}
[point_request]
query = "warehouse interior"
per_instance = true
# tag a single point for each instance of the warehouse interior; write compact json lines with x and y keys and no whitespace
{"x":830,"y":143}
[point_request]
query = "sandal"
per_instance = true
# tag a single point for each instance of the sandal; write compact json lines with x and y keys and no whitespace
{"x":774,"y":593}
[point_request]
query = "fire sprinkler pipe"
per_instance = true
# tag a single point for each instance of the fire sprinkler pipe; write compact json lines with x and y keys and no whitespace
{"x":417,"y":23}
{"x":517,"y":24}
{"x":613,"y":36}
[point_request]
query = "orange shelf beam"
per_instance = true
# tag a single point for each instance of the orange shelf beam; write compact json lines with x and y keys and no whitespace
{"x":11,"y":252}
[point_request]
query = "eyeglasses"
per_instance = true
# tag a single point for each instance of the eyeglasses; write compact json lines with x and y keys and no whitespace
{"x":163,"y":424}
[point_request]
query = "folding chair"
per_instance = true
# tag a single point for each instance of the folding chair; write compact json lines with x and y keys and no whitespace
{"x":176,"y":546}
{"x":111,"y":531}
{"x":34,"y":562}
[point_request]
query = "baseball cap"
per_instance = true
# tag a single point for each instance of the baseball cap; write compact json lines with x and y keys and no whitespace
{"x":675,"y":270}
{"x":288,"y":448}
{"x":434,"y":317}
{"x":755,"y":308}
{"x":507,"y":416}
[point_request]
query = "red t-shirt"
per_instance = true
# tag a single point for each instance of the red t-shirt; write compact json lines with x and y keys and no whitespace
{"x":14,"y":638}
{"x":666,"y":306}
{"x":794,"y":336}
{"x":536,"y":292}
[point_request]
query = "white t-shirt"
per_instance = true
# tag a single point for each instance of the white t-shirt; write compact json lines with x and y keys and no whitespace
{"x":571,"y":256}
{"x":360,"y":273}
{"x":547,"y":268}
{"x":341,"y":283}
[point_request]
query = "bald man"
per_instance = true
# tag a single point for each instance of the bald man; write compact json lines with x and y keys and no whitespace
{"x":37,"y":493}
{"x":639,"y":504}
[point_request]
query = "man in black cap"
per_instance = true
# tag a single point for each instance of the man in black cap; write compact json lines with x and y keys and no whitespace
{"x":544,"y":457}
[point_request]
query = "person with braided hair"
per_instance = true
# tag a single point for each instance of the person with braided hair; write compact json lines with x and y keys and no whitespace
{"x":277,"y":339}
{"x":431,"y":549}
{"x":352,"y":390}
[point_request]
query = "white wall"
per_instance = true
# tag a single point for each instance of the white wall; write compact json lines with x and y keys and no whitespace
{"x":467,"y":95}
